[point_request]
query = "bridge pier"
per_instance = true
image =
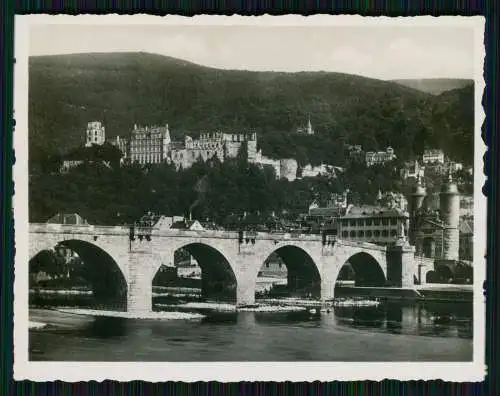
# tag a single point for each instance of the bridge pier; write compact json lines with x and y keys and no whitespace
{"x":246,"y":279}
{"x":401,"y":265}
{"x":245,"y":292}
{"x":140,"y":287}
{"x":327,"y":288}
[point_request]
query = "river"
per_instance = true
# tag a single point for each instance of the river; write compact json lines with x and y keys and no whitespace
{"x":390,"y":332}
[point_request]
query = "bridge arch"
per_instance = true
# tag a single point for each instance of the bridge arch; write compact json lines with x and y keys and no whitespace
{"x":303,"y":273}
{"x":368,"y":265}
{"x":368,"y":271}
{"x":218,"y":276}
{"x":100,"y":268}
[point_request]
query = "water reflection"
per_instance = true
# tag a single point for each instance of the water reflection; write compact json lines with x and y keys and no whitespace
{"x":339,"y":335}
{"x":437,"y":319}
{"x":103,"y":327}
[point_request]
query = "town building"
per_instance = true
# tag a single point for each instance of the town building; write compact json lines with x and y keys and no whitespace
{"x":379,"y":157}
{"x":320,"y":170}
{"x":453,"y":166}
{"x":392,"y":200}
{"x":373,"y":224}
{"x":191,"y":225}
{"x":432,"y":156}
{"x":95,"y":134}
{"x":439,"y":168}
{"x":67,"y":218}
{"x":69,"y":164}
{"x":466,"y":206}
{"x":412,"y":169}
{"x":274,"y":267}
{"x":356,"y":153}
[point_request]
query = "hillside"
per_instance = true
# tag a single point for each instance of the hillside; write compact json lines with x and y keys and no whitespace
{"x":435,"y":86}
{"x":125,"y":88}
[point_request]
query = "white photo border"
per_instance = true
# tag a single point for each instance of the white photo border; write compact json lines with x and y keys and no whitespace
{"x":70,"y":371}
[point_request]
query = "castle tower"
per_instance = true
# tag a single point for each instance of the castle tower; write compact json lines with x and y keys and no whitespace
{"x":449,"y":208}
{"x":252,"y":147}
{"x":415,"y":202}
{"x":95,"y":134}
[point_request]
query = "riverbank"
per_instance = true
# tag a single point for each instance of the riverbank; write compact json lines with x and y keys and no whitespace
{"x":430,"y":292}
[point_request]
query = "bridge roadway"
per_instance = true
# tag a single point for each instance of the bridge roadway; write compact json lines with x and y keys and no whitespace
{"x":140,"y":259}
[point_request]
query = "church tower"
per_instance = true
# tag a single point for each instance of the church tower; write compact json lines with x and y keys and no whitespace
{"x":310,"y":130}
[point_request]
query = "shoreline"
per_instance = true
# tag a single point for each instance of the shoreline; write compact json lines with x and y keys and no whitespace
{"x":163,"y":315}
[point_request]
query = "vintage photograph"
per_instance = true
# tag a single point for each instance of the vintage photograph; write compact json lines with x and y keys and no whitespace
{"x":274,"y":189}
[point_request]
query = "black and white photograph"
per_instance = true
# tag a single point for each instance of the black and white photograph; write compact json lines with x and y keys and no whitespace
{"x":249,"y":198}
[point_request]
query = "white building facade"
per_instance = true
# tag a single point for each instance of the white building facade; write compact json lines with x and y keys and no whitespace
{"x":95,"y":134}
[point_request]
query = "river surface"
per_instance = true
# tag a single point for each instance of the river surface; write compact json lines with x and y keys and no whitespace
{"x":390,"y":332}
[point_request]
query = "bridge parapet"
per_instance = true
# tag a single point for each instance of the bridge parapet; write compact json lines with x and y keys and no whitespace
{"x":77,"y":229}
{"x":424,"y":261}
{"x":363,"y":245}
{"x":194,"y":233}
{"x":280,"y":236}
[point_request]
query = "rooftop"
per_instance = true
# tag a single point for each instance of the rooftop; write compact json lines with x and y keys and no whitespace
{"x":67,"y":218}
{"x":373,"y":211}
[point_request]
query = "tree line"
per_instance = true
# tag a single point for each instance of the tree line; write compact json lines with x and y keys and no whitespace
{"x":213,"y":191}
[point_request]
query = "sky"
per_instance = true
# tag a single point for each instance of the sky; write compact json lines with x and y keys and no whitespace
{"x":382,"y":52}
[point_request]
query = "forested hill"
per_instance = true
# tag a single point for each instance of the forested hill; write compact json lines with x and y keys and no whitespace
{"x":435,"y":85}
{"x":121,"y":89}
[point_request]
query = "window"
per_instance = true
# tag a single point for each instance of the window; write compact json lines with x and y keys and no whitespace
{"x":352,"y":223}
{"x":352,"y":234}
{"x":376,"y":233}
{"x":361,"y":222}
{"x":385,"y":222}
{"x":345,"y":234}
{"x":376,"y":222}
{"x":369,"y":222}
{"x":394,"y":221}
{"x":368,"y":233}
{"x":267,"y":265}
{"x":385,"y":233}
{"x":393,"y":233}
{"x":361,"y":234}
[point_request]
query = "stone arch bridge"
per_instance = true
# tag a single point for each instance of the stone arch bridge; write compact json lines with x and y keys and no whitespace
{"x":138,"y":259}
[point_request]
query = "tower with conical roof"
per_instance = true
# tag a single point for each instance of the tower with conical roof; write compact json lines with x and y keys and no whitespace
{"x":415,"y":203}
{"x":449,"y":209}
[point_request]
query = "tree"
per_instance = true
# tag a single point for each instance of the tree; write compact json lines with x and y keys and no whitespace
{"x":49,"y":262}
